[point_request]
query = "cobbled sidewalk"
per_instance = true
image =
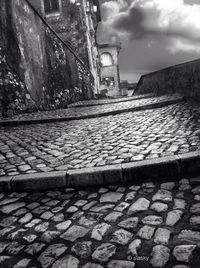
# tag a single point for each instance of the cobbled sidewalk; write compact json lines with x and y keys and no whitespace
{"x":152,"y":225}
{"x":109,"y":140}
{"x":110,"y":101}
{"x":95,"y":110}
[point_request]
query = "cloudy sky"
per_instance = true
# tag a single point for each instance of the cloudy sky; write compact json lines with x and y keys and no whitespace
{"x":154,"y":33}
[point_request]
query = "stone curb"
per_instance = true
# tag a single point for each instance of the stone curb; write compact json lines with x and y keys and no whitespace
{"x":12,"y":123}
{"x":33,"y":182}
{"x":161,"y":169}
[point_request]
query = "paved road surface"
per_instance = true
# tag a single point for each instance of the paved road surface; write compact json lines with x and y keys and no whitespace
{"x":122,"y":138}
{"x":150,"y":225}
{"x":108,"y":101}
{"x":96,"y":110}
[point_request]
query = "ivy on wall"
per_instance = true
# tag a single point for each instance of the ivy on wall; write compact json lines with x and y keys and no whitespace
{"x":63,"y":80}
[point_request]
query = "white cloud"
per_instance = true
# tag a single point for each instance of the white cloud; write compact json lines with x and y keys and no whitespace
{"x":183,"y":45}
{"x":153,"y":19}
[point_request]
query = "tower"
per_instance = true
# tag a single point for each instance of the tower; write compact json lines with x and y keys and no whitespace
{"x":110,"y":79}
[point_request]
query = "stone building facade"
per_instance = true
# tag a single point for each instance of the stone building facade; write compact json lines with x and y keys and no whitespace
{"x":76,"y":22}
{"x":110,"y":79}
{"x":91,"y":9}
{"x":44,"y":59}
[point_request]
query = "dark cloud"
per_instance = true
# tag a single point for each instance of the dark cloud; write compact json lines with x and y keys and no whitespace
{"x":137,"y":21}
{"x":131,"y":22}
{"x":141,"y":19}
{"x":155,"y":33}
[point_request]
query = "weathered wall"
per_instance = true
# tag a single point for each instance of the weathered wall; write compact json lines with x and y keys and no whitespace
{"x":69,"y":23}
{"x":37,"y":70}
{"x":111,"y":71}
{"x":92,"y":18}
{"x":31,"y":42}
{"x":13,"y":89}
{"x":182,"y":78}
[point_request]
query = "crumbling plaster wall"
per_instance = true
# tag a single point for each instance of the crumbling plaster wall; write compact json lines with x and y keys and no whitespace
{"x":31,"y":41}
{"x":38,"y":71}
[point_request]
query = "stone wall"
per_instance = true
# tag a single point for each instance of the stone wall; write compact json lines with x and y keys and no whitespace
{"x":38,"y":72}
{"x":12,"y":80}
{"x":183,"y":78}
{"x":69,"y":24}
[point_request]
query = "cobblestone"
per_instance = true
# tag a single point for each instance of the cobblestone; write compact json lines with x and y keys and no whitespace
{"x":146,"y":232}
{"x":95,"y":110}
{"x":74,"y":232}
{"x":111,"y":197}
{"x":159,"y":207}
{"x":167,"y":186}
{"x":160,"y":256}
{"x":100,"y":141}
{"x":173,"y":217}
{"x":152,"y":220}
{"x":134,"y":246}
{"x":113,"y":216}
{"x":195,"y":208}
{"x":195,"y":220}
{"x":189,"y":236}
{"x":121,"y":237}
{"x":104,"y":252}
{"x":109,"y":101}
{"x":162,"y":236}
{"x":99,"y":231}
{"x":51,"y":253}
{"x":120,"y":264}
{"x":10,"y":208}
{"x":163,"y":195}
{"x":99,"y":236}
{"x":66,"y":262}
{"x":183,"y":253}
{"x":179,"y":204}
{"x":140,"y":205}
{"x":82,"y":249}
{"x":129,"y":223}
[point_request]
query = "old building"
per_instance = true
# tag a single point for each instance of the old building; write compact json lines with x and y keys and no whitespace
{"x":92,"y":15}
{"x":127,"y":89}
{"x":76,"y":22}
{"x":110,"y":79}
{"x":48,"y":53}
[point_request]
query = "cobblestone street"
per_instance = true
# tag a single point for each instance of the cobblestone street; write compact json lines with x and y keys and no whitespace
{"x":109,"y":101}
{"x":97,"y":109}
{"x":148,"y":225}
{"x":153,"y":224}
{"x":122,"y":138}
{"x":99,"y":134}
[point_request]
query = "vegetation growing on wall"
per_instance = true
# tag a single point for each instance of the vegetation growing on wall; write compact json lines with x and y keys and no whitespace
{"x":37,"y":80}
{"x":13,"y":89}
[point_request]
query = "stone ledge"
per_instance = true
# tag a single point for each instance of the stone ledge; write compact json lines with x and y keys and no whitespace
{"x":95,"y":176}
{"x":195,"y":181}
{"x":161,"y":169}
{"x":5,"y":184}
{"x":38,"y":181}
{"x":189,"y":164}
